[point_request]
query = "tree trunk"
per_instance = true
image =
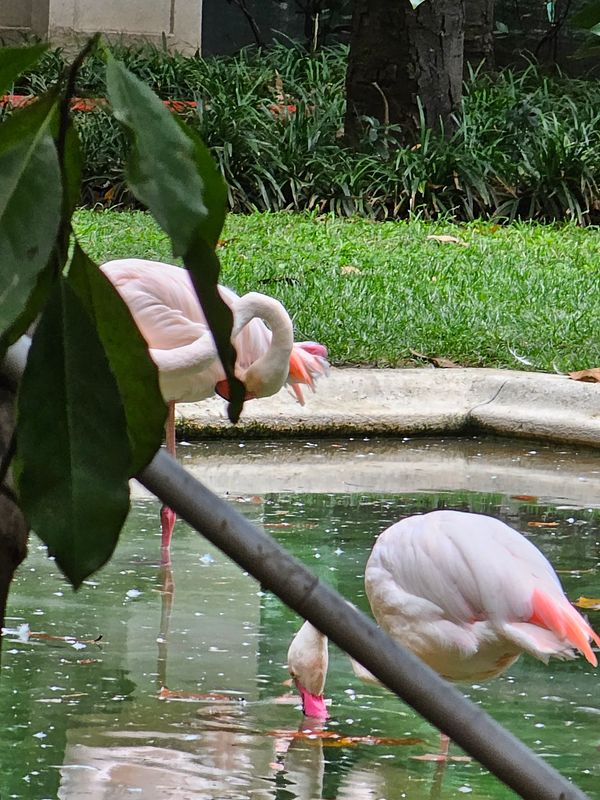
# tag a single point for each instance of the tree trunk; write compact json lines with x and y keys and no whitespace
{"x":399,"y":55}
{"x":13,"y":529}
{"x":479,"y":37}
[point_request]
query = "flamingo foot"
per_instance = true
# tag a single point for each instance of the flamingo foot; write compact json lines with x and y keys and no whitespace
{"x":167,"y":523}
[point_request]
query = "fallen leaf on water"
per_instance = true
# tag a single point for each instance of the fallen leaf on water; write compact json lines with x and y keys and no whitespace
{"x":445,"y":239}
{"x":438,"y":757}
{"x":86,"y":661}
{"x":591,"y":603}
{"x":174,"y":694}
{"x":277,"y":525}
{"x":587,"y":375}
{"x":437,"y":361}
{"x":535,"y":524}
{"x":72,"y":640}
{"x":526,"y":498}
{"x":332,"y":739}
{"x":303,"y":525}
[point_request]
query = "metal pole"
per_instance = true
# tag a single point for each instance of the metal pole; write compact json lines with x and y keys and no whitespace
{"x":439,"y":702}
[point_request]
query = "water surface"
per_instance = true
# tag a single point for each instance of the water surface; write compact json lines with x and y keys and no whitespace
{"x":91,"y":720}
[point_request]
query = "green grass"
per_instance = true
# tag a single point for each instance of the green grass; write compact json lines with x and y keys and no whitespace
{"x":529,"y":288}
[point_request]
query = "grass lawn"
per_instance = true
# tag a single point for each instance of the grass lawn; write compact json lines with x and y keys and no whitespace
{"x":372,"y":292}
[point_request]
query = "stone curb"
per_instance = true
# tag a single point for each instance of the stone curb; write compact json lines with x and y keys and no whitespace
{"x":408,"y":402}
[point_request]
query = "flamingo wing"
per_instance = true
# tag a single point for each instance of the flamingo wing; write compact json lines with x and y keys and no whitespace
{"x":464,"y":592}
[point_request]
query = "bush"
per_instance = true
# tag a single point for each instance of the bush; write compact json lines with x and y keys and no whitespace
{"x":526,"y":145}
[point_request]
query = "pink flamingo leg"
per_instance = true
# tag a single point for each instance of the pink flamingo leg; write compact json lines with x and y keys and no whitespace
{"x":167,"y":515}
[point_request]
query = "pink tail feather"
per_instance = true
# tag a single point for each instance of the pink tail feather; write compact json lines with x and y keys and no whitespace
{"x":308,"y":360}
{"x":563,"y":620}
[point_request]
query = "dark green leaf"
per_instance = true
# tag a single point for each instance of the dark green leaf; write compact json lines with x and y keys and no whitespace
{"x":215,"y":188}
{"x":171,"y":171}
{"x":127,"y":352}
{"x":163,"y":167}
{"x":15,"y":60}
{"x":30,"y":204}
{"x":203,"y":265}
{"x":72,"y":447}
{"x":33,"y":307}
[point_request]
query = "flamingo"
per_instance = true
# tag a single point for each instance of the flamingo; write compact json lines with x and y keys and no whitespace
{"x":166,"y":309}
{"x":464,"y":592}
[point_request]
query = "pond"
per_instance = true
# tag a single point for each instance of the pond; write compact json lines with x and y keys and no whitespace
{"x":184,"y":695}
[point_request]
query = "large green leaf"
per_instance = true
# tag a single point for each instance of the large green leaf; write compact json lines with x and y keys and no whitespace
{"x":15,"y":60}
{"x":214,"y":186}
{"x":72,"y":170}
{"x":127,"y":352}
{"x":171,"y":171}
{"x":73,"y":453}
{"x":203,"y":264}
{"x":163,"y":169}
{"x":30,"y":205}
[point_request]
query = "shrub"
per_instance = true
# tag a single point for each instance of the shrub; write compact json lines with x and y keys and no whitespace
{"x":525,"y":146}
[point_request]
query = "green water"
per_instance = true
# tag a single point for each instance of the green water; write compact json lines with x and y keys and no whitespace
{"x":86,"y":721}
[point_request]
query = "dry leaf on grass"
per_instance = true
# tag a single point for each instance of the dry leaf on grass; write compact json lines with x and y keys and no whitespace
{"x":444,"y":238}
{"x":437,"y":361}
{"x":349,"y":269}
{"x":591,"y":603}
{"x":587,"y":375}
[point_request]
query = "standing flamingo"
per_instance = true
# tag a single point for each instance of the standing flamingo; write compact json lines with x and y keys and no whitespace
{"x":464,"y":592}
{"x":166,"y":309}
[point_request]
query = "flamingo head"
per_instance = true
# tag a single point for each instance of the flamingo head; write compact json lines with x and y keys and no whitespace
{"x":308,"y":660}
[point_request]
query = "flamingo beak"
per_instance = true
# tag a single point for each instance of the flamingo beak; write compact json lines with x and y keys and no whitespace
{"x":222,"y":389}
{"x":313,"y":705}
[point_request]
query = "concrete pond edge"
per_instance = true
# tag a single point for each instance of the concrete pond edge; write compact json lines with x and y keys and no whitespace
{"x":412,"y":402}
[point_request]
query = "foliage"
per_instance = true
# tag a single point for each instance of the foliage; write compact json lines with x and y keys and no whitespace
{"x":90,"y":414}
{"x":526,"y":145}
{"x":374,"y":293}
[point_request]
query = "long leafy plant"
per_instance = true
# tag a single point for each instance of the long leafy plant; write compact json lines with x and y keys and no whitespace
{"x":90,"y":414}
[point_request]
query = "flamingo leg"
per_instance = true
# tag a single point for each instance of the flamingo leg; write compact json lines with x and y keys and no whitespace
{"x":167,"y":593}
{"x":442,"y":756}
{"x":167,"y":515}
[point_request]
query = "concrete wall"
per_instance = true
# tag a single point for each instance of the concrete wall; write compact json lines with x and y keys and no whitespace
{"x":23,"y":17}
{"x":177,"y":23}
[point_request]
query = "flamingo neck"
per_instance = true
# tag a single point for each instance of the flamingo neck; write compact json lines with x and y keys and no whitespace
{"x":269,"y":372}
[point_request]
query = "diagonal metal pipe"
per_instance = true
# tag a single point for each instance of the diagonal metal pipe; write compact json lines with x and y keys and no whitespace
{"x":413,"y":681}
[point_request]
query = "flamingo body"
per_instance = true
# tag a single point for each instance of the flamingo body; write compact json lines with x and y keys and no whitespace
{"x":166,"y":309}
{"x":163,"y":302}
{"x":468,"y":594}
{"x":464,"y":592}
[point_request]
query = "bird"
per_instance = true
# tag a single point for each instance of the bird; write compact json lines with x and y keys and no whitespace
{"x":164,"y":305}
{"x":464,"y":592}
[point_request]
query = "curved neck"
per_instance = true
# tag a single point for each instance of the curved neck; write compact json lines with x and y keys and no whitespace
{"x":267,"y":374}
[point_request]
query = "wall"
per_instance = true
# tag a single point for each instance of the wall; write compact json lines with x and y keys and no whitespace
{"x":23,"y":17}
{"x":175,"y":23}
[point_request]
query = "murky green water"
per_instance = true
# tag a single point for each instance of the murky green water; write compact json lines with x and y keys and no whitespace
{"x":85,"y":720}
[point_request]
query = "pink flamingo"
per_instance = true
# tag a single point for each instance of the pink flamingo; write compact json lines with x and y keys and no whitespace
{"x":164,"y":305}
{"x":464,"y":592}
